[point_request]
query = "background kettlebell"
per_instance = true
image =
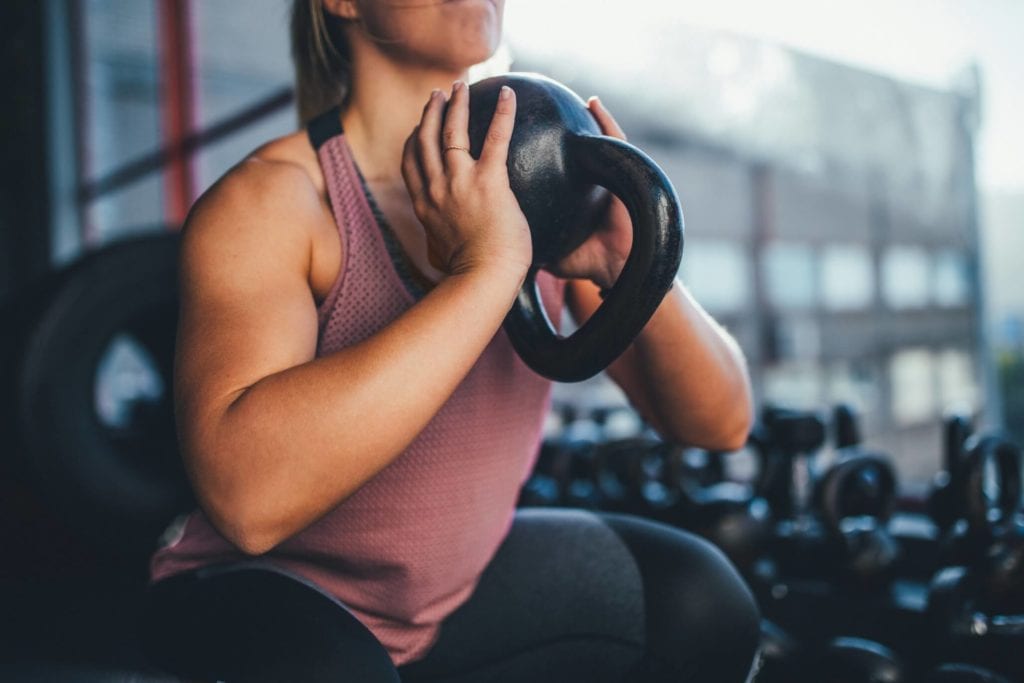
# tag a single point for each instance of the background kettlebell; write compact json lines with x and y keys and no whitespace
{"x":557,"y":160}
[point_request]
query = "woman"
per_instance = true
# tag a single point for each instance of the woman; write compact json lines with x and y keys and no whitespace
{"x":356,"y":425}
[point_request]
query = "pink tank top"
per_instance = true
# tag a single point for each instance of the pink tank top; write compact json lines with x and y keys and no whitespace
{"x":407,"y":548}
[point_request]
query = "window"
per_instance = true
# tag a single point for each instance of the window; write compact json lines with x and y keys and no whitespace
{"x":241,"y":58}
{"x":855,"y":383}
{"x":847,"y":277}
{"x":718,"y":274}
{"x":958,"y":387}
{"x":789,"y":275}
{"x":950,"y":285}
{"x":796,"y":385}
{"x":905,"y":277}
{"x":120,"y":109}
{"x":911,"y":374}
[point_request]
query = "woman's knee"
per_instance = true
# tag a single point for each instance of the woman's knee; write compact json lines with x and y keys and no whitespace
{"x":701,"y":615}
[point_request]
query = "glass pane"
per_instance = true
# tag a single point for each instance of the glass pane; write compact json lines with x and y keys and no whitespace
{"x":958,"y":384}
{"x":913,"y":386}
{"x":122,"y":80}
{"x":241,"y":54}
{"x":718,"y":274}
{"x":847,"y":277}
{"x":789,"y":275}
{"x":136,"y":208}
{"x":796,"y":385}
{"x":214,"y":160}
{"x":855,"y":383}
{"x":905,"y":277}
{"x":122,"y":105}
{"x":951,"y":286}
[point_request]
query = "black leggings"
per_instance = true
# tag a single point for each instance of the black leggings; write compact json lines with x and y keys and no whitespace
{"x":569,"y":596}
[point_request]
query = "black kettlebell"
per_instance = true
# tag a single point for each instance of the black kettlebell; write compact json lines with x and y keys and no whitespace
{"x":855,"y":500}
{"x":557,"y":159}
{"x":988,"y":492}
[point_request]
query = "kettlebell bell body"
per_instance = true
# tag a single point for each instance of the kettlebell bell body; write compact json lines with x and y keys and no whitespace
{"x":558,"y":162}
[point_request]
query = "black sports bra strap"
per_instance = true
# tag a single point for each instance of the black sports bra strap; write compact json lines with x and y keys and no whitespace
{"x":325,"y":126}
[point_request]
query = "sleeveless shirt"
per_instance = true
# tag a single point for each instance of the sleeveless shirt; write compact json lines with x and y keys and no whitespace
{"x":408,"y":547}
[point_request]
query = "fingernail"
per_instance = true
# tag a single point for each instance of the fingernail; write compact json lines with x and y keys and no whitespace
{"x":434,"y":93}
{"x":457,"y":86}
{"x":505,"y":92}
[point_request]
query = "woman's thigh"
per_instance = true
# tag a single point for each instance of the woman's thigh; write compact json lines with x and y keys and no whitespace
{"x":703,"y":623}
{"x":253,"y":623}
{"x":574,"y":595}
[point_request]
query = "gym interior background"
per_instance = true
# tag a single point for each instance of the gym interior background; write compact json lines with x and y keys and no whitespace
{"x":854,"y":212}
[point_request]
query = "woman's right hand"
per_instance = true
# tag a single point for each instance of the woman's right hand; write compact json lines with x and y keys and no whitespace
{"x":471,"y":217}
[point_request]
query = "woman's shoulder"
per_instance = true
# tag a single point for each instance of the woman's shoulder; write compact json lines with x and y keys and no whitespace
{"x":280,"y":178}
{"x":271,"y":200}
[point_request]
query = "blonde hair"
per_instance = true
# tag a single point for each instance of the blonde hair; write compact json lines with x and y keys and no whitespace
{"x":322,"y":60}
{"x":321,"y":57}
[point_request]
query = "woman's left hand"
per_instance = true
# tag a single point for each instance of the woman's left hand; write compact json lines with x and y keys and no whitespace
{"x":601,"y":257}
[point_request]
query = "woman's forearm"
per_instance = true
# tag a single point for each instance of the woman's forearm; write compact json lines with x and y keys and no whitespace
{"x":694,"y":375}
{"x":684,"y":373}
{"x":293,"y":445}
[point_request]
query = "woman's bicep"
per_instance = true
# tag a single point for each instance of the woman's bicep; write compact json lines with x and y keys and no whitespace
{"x":247,"y":311}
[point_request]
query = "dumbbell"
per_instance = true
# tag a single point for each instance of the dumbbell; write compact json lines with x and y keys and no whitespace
{"x":782,"y":436}
{"x":945,"y":502}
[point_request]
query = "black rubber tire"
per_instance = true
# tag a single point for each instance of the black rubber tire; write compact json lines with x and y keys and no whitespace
{"x":118,"y":491}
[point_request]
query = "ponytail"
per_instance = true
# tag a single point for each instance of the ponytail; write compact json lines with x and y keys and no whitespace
{"x":321,"y":57}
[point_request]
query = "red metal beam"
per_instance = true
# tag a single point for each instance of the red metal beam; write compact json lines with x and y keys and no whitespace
{"x":177,"y":105}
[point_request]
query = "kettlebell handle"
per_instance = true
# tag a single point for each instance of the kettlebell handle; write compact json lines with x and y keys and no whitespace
{"x":646,"y":277}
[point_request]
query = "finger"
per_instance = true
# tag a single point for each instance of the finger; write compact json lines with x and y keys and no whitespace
{"x":609,"y":126}
{"x":411,"y":172}
{"x":429,"y":138}
{"x":456,"y":128}
{"x":499,"y":133}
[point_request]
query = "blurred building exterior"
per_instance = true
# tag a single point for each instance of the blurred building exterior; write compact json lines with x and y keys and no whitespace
{"x":1003,"y":245}
{"x":830,"y":226}
{"x":830,"y":212}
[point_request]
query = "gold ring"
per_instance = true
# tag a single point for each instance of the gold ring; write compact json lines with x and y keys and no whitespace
{"x":464,"y":149}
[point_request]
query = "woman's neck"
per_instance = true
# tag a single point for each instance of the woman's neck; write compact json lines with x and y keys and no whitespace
{"x":385,"y":104}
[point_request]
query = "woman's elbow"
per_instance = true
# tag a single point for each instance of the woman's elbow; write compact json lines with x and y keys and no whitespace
{"x":230,"y":506}
{"x":238,"y":525}
{"x":730,"y":428}
{"x":736,"y":430}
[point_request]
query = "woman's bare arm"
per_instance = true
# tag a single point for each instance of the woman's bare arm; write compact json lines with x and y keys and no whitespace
{"x":685,"y":374}
{"x":273,"y":437}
